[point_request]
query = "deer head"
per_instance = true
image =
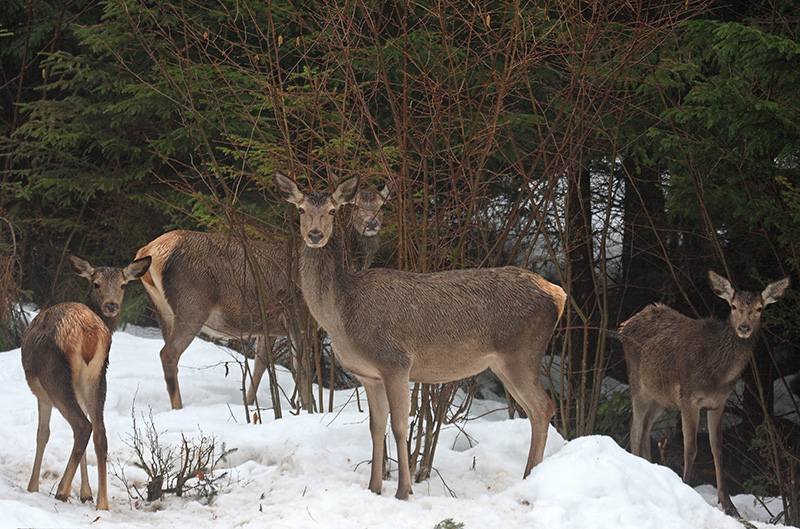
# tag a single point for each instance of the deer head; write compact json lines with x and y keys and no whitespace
{"x":108,"y":284}
{"x":746,"y":307}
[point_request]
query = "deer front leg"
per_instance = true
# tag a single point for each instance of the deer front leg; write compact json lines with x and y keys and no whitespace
{"x":378,"y":413}
{"x":399,"y":404}
{"x":690,"y":417}
{"x":715,"y":438}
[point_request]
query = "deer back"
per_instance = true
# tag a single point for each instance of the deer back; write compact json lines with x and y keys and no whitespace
{"x":198,"y":271}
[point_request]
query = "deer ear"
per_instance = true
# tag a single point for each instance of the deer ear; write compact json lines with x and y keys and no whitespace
{"x":385,"y":192}
{"x":288,"y":189}
{"x":137,"y":269}
{"x":775,"y":291}
{"x":80,"y":266}
{"x":721,"y":286}
{"x":345,"y":193}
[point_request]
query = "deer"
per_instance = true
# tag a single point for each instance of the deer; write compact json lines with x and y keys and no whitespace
{"x":205,"y":282}
{"x":676,"y":362}
{"x":390,"y":327}
{"x":65,"y":358}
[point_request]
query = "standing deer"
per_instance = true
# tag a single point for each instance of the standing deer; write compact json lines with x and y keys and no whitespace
{"x":205,"y":282}
{"x":686,"y":364}
{"x":65,"y":357}
{"x":390,"y":328}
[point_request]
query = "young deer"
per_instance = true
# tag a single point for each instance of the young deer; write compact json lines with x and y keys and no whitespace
{"x":205,"y":282}
{"x":686,"y":364}
{"x":389,"y":327}
{"x":65,"y":356}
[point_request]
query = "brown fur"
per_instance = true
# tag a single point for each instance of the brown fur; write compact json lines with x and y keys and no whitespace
{"x":205,"y":282}
{"x":681,"y":363}
{"x":65,"y":357}
{"x":390,"y":328}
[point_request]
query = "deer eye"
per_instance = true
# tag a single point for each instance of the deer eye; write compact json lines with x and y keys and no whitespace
{"x":96,"y":285}
{"x":301,"y":211}
{"x":124,"y":286}
{"x":734,"y":307}
{"x":332,"y":212}
{"x":759,"y":309}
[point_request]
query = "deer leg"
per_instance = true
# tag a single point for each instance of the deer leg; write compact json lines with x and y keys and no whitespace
{"x":259,"y":367}
{"x":300,"y":369}
{"x":175,"y":343}
{"x":690,"y":417}
{"x":637,"y":422}
{"x":86,"y":488}
{"x":399,"y":397}
{"x":378,"y":413}
{"x":100,"y":442}
{"x":715,"y":437}
{"x":523,"y":384}
{"x":645,"y":414}
{"x":42,"y":436}
{"x":81,"y":431}
{"x":653,"y":413}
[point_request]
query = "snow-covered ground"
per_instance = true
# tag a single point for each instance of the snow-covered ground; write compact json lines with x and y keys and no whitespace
{"x":312,"y":470}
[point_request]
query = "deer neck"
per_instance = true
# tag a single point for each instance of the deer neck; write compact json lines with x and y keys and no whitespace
{"x":737,"y":352}
{"x":324,"y":281}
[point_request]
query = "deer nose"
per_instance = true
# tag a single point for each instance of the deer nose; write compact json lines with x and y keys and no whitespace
{"x":744,"y":329}
{"x":315,"y":236}
{"x":112,"y":308}
{"x":373,"y":226}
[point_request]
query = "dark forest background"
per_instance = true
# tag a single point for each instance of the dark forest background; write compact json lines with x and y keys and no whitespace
{"x":619,"y":148}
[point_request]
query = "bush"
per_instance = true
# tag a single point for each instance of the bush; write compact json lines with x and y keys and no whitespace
{"x":187,"y":469}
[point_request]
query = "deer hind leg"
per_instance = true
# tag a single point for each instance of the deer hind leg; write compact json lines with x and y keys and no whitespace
{"x":715,"y":437}
{"x":175,"y":343}
{"x":300,"y":369}
{"x":378,"y":414}
{"x":86,"y":489}
{"x":259,"y":367}
{"x":97,"y":404}
{"x":645,"y":414}
{"x":690,"y":417}
{"x":399,"y":397}
{"x":81,"y":431}
{"x":653,"y":413}
{"x":42,"y":436}
{"x":522,"y":380}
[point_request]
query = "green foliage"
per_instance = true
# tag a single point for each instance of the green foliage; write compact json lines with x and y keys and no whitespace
{"x":614,"y":414}
{"x":448,"y":523}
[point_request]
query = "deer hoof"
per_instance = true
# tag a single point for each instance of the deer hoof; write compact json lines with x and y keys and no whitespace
{"x":732,"y":511}
{"x":401,"y":495}
{"x":61,"y":497}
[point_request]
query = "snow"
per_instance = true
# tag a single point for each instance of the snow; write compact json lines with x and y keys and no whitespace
{"x":312,"y":470}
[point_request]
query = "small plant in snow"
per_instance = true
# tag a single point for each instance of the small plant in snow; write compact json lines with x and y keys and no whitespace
{"x":189,"y":468}
{"x":448,"y":523}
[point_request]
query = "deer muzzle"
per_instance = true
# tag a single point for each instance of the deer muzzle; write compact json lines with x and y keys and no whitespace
{"x":744,"y":330}
{"x":314,"y":238}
